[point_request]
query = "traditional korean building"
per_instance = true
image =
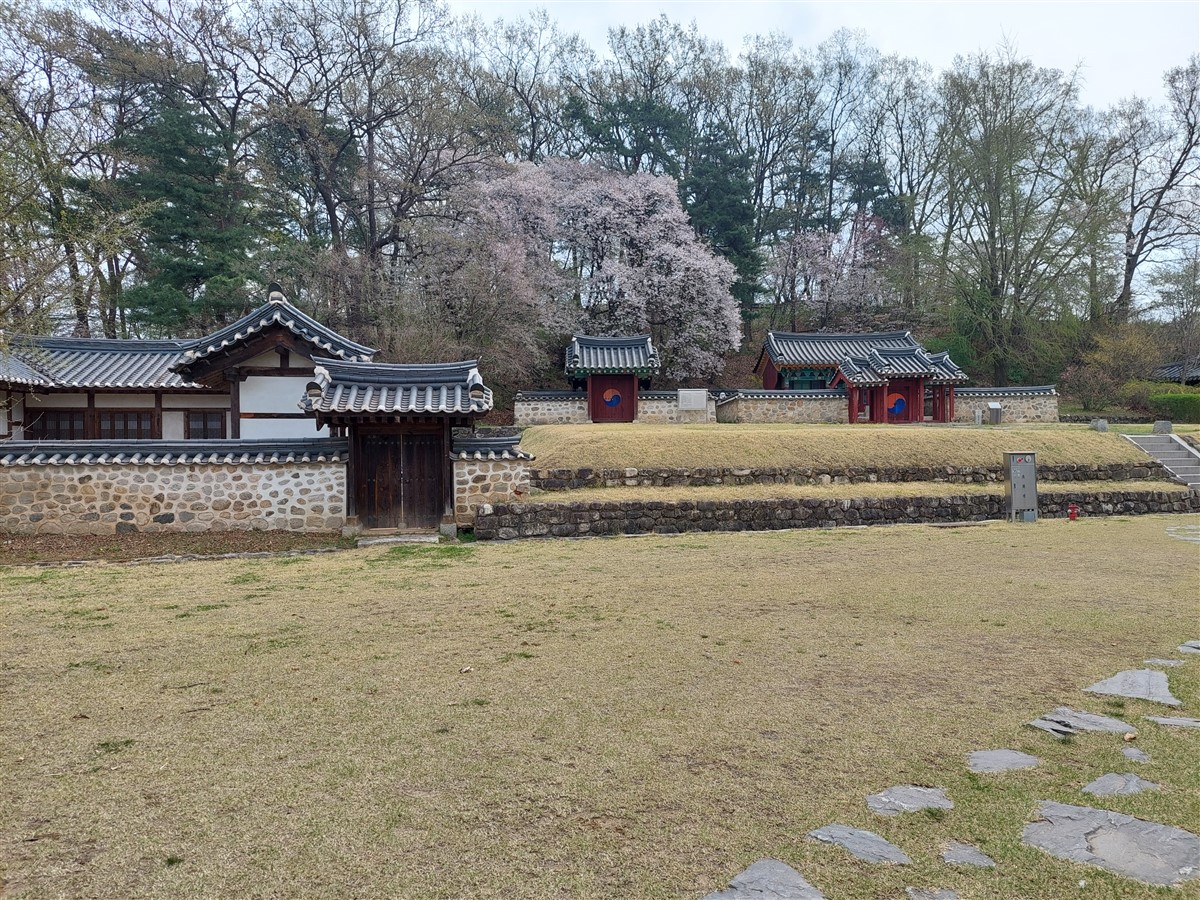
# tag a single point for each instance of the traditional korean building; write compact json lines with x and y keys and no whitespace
{"x":887,"y":376}
{"x":274,"y":421}
{"x":612,"y":370}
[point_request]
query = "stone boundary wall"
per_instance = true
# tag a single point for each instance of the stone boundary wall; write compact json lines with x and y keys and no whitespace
{"x":788,"y":410}
{"x":569,"y":409}
{"x":1015,"y":408}
{"x":480,"y":482}
{"x":570,"y":479}
{"x":519,"y":520}
{"x":664,"y":410}
{"x":124,"y":497}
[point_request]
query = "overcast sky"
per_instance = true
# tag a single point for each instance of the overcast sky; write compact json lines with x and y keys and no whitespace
{"x":1121,"y":47}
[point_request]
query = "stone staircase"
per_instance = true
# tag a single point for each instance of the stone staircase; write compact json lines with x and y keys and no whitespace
{"x":1181,"y":460}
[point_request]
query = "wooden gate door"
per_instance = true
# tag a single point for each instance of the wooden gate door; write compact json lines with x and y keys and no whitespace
{"x":612,"y":398}
{"x":422,"y":489}
{"x":400,"y":483}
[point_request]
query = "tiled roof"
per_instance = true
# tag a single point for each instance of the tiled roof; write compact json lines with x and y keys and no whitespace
{"x":63,"y":362}
{"x":813,"y":394}
{"x":1041,"y":390}
{"x":170,"y":453}
{"x":787,"y":348}
{"x":276,"y":311}
{"x":550,"y":395}
{"x":476,"y":447}
{"x":93,"y":363}
{"x":881,"y":365}
{"x":364,"y":388}
{"x":1173,"y":371}
{"x":633,"y":354}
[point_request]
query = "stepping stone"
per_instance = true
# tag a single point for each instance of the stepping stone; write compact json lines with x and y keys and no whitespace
{"x":957,"y":854}
{"x":1112,"y":784}
{"x":866,"y":845}
{"x":1163,"y":662}
{"x":1065,"y":721}
{"x":905,"y":798}
{"x":1190,"y":647}
{"x":1146,"y":851}
{"x":929,"y":894}
{"x":1000,"y":761}
{"x":1135,"y":754}
{"x":1137,"y":684}
{"x":1176,"y":721}
{"x":768,"y":879}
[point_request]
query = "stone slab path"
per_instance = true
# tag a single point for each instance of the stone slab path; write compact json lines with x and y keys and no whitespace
{"x":1000,"y":761}
{"x":1064,"y":721}
{"x":1135,"y":754}
{"x":929,"y":894}
{"x":956,"y":854}
{"x":1113,"y":784}
{"x":1163,"y":662}
{"x":768,"y":879}
{"x":907,"y":798}
{"x":1190,"y":647}
{"x":865,"y":845}
{"x":1137,"y":684}
{"x":1146,"y":851}
{"x":1175,"y":721}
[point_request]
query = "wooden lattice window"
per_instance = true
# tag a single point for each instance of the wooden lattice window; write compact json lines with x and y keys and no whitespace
{"x":205,"y":424}
{"x":58,"y":425}
{"x":125,"y":424}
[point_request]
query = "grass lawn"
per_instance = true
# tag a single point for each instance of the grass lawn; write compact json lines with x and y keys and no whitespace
{"x":625,"y":717}
{"x":816,"y":446}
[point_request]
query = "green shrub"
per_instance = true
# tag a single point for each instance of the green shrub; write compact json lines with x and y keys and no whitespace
{"x":1176,"y":407}
{"x":1137,"y":394}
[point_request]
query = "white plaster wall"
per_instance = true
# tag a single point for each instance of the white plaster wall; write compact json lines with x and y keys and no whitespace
{"x":124,"y":401}
{"x":275,"y":393}
{"x":255,"y":429}
{"x":58,"y":401}
{"x":194,"y":401}
{"x":172,"y":425}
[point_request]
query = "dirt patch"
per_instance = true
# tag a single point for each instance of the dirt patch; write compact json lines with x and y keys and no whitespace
{"x":22,"y":549}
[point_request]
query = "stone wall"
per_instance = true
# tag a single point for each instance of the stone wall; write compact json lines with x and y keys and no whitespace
{"x":125,"y":497}
{"x":479,"y":482}
{"x":584,"y":519}
{"x":794,"y":409}
{"x":1017,"y":408}
{"x":570,"y":479}
{"x":662,"y":408}
{"x":550,"y":408}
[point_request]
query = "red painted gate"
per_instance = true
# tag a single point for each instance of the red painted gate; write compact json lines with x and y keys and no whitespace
{"x":612,"y":398}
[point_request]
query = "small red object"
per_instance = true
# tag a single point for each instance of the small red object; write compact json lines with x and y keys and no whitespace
{"x":1073,"y":511}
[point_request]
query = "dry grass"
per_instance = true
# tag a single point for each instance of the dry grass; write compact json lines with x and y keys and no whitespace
{"x":627,"y":717}
{"x":21,"y":549}
{"x":833,"y":491}
{"x":818,"y":446}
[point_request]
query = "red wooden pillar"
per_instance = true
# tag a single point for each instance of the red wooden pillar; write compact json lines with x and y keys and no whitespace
{"x":950,"y":400}
{"x":918,"y":413}
{"x":853,"y":405}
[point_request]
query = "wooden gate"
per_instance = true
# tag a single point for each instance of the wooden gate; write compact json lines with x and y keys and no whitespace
{"x":612,"y":398}
{"x":399,"y":481}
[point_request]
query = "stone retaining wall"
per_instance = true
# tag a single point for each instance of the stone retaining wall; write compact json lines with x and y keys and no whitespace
{"x":1015,"y":409}
{"x":519,"y":520}
{"x":570,"y":479}
{"x":486,"y":481}
{"x":789,"y":410}
{"x":125,"y":497}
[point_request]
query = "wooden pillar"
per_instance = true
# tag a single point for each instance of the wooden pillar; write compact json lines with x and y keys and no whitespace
{"x":447,"y":473}
{"x":156,"y":422}
{"x":853,"y":405}
{"x":235,"y":403}
{"x":918,"y":413}
{"x":950,"y":401}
